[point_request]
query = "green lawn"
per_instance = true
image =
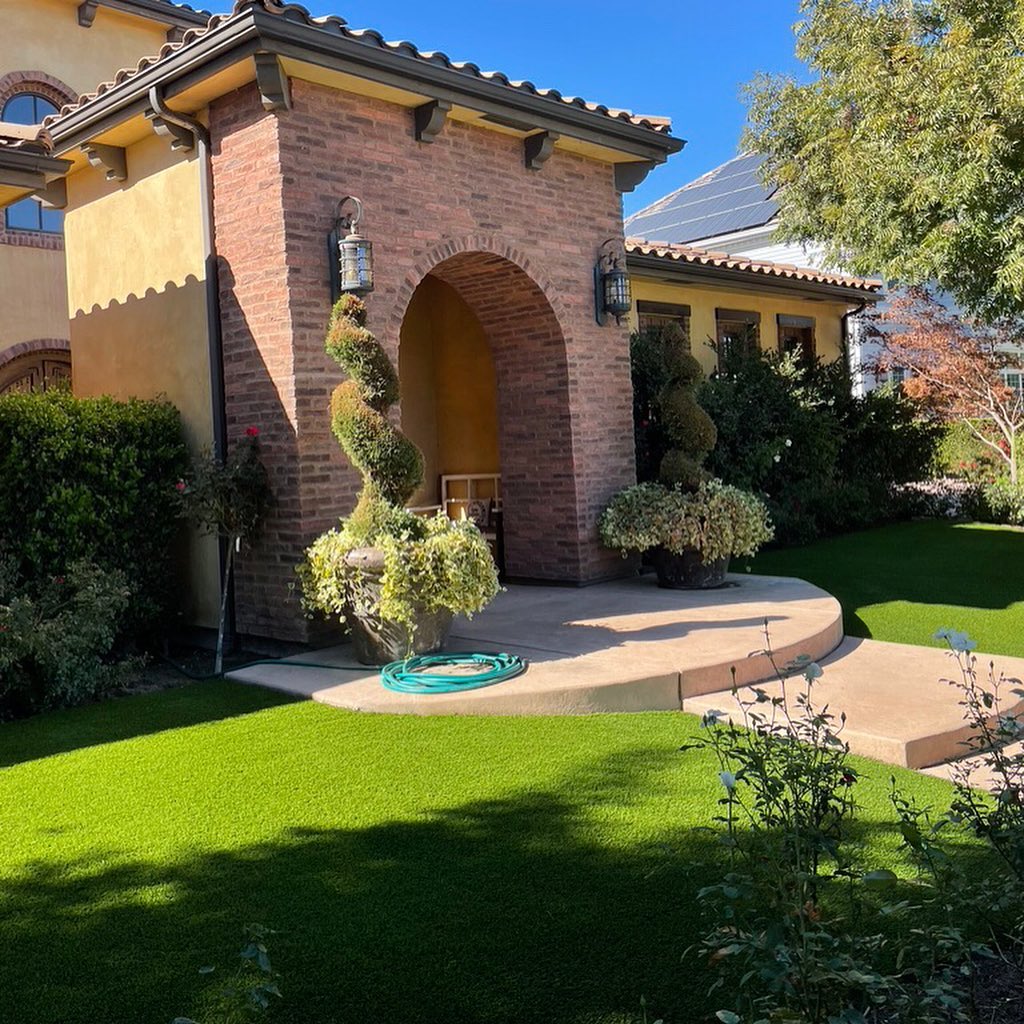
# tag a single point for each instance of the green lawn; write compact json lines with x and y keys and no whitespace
{"x":417,"y":869}
{"x":903,"y":582}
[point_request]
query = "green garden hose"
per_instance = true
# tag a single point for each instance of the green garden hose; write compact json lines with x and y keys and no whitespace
{"x":418,"y":675}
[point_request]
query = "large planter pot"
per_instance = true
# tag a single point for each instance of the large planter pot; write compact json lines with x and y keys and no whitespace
{"x":687,"y":571}
{"x":378,"y":641}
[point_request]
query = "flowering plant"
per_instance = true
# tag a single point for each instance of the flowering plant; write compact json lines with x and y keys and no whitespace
{"x":716,"y":520}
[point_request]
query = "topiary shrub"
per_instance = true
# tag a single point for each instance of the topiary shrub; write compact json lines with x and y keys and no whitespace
{"x":673,"y":433}
{"x":391,"y":465}
{"x":419,"y":566}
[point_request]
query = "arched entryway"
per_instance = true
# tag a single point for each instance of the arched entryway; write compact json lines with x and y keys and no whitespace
{"x":485,"y":392}
{"x":35,"y":366}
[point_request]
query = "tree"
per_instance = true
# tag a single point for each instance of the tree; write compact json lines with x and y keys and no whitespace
{"x":904,"y":155}
{"x":954,"y":367}
{"x":228,"y":498}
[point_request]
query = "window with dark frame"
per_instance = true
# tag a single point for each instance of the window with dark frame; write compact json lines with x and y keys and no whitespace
{"x":29,"y":108}
{"x":737,"y":334}
{"x":656,"y":316}
{"x":796,"y":337}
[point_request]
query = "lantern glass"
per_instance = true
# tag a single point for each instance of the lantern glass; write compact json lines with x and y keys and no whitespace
{"x":617,"y":298}
{"x":355,"y":261}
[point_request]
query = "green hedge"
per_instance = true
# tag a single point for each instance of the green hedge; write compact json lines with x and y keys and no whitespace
{"x":93,"y":479}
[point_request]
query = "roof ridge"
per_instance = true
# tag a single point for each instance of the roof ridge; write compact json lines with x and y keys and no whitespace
{"x":367,"y":36}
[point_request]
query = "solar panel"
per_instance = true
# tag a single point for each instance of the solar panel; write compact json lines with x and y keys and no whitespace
{"x":729,"y":198}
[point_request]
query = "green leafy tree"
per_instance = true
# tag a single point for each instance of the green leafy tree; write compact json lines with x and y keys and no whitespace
{"x":904,"y":154}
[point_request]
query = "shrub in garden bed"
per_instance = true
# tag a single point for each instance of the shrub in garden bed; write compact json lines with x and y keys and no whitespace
{"x":823,"y":460}
{"x":91,"y":479}
{"x":57,"y":634}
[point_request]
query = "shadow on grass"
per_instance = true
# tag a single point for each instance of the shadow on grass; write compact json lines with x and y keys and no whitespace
{"x":493,"y":912}
{"x":117,"y":719}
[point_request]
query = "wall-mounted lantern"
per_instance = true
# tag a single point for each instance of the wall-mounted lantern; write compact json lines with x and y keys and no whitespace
{"x":612,"y":296}
{"x":350,"y":256}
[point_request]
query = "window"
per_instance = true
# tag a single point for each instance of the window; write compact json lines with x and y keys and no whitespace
{"x":796,"y":337}
{"x":895,"y":375}
{"x":1014,"y":380}
{"x":30,"y":214}
{"x":655,"y":316}
{"x":737,"y":335}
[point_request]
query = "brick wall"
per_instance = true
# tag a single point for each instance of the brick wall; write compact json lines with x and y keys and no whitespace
{"x":518,"y":245}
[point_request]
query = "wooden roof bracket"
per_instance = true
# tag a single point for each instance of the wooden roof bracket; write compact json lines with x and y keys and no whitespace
{"x":112,"y":159}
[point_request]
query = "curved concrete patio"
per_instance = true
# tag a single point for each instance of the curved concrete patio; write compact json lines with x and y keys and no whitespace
{"x":628,"y":646}
{"x":620,"y":646}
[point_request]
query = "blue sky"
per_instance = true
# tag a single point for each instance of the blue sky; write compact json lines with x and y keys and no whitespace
{"x":686,"y":59}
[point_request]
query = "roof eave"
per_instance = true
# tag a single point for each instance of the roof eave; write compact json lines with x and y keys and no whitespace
{"x":165,"y":13}
{"x":684,"y":272}
{"x":255,"y":30}
{"x":31,"y":171}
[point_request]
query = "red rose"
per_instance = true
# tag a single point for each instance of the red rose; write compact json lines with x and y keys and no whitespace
{"x":252,"y":431}
{"x":180,"y":486}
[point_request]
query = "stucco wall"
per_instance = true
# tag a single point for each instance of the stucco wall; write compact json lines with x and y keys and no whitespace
{"x":44,"y":35}
{"x":449,"y":400}
{"x":704,"y":301}
{"x":33,"y":296}
{"x":136,"y":289}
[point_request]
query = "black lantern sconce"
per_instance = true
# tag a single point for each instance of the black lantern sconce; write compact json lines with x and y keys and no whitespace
{"x":612,"y":296}
{"x":350,"y":256}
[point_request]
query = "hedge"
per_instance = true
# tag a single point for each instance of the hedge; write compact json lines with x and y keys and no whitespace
{"x":92,"y":479}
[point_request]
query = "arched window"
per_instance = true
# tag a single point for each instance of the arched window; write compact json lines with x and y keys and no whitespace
{"x":30,"y":214}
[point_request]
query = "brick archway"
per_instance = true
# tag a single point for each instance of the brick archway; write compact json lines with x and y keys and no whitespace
{"x":542,"y":523}
{"x":39,"y":82}
{"x":35,"y":365}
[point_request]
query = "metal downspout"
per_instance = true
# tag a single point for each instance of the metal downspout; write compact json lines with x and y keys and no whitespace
{"x":213,"y":326}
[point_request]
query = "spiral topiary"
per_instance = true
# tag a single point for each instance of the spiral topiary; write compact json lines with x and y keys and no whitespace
{"x":689,"y":430}
{"x":391,"y":465}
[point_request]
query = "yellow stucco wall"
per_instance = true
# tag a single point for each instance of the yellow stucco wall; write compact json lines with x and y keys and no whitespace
{"x":136,"y":289}
{"x":33,"y":295}
{"x":704,"y":300}
{"x":44,"y":35}
{"x":449,"y":397}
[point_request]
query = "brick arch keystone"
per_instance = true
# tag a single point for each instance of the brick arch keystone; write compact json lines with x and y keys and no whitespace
{"x":543,"y":520}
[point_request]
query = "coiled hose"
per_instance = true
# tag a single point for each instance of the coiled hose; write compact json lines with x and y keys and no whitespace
{"x":420,"y":674}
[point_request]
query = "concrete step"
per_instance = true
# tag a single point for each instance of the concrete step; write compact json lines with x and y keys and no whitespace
{"x":899,"y":708}
{"x":625,"y":645}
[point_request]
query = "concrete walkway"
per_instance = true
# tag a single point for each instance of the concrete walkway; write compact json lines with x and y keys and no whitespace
{"x":899,"y":708}
{"x":620,"y":646}
{"x":629,"y":646}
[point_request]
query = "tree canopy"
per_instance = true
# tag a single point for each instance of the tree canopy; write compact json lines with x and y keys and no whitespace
{"x":904,"y":153}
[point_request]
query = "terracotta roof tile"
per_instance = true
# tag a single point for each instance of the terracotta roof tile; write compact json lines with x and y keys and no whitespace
{"x":703,"y":257}
{"x":369,"y":37}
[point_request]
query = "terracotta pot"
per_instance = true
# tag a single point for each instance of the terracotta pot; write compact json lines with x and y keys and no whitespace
{"x":687,"y":571}
{"x":378,"y":641}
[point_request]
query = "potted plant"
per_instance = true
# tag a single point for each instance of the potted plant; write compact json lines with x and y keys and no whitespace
{"x":691,"y":535}
{"x":687,"y":523}
{"x":395,"y":578}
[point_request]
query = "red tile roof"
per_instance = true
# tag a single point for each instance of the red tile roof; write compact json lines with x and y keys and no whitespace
{"x":702,"y":257}
{"x":368,"y":37}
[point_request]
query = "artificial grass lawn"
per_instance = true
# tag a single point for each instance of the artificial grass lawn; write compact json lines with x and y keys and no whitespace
{"x":903,"y":582}
{"x":417,"y":869}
